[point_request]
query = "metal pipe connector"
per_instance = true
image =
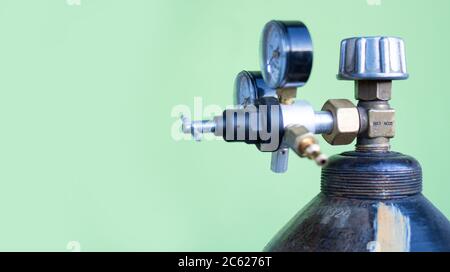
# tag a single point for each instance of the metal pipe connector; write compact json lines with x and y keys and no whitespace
{"x":304,"y":144}
{"x":197,"y":128}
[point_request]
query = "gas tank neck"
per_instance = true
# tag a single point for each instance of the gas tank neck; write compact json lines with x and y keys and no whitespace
{"x":372,"y":175}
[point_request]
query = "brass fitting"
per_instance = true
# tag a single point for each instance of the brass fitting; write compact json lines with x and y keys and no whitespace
{"x":287,"y":95}
{"x":304,"y":144}
{"x":346,"y":121}
{"x":373,"y":90}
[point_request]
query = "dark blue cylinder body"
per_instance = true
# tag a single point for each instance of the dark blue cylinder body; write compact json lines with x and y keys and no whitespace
{"x":369,"y":202}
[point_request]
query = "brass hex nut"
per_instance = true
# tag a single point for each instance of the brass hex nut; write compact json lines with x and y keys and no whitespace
{"x":373,"y":90}
{"x":346,"y":121}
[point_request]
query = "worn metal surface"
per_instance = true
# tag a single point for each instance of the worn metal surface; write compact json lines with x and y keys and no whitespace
{"x":374,"y":175}
{"x":369,"y":202}
{"x":330,"y":223}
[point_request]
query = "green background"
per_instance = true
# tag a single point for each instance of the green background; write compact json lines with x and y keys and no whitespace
{"x":87,"y":92}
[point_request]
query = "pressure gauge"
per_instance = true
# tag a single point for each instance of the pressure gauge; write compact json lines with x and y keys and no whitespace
{"x":286,"y":54}
{"x":249,"y":86}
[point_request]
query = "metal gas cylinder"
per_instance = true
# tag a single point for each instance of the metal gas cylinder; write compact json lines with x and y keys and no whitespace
{"x":370,"y":201}
{"x":370,"y":198}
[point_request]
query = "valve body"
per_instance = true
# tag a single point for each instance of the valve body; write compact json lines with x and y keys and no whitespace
{"x":370,"y":198}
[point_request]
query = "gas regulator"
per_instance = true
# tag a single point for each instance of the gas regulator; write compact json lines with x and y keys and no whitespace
{"x":269,"y":115}
{"x":370,"y":198}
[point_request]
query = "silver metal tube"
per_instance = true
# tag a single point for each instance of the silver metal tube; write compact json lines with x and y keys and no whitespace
{"x":197,"y":128}
{"x":279,"y":162}
{"x":299,"y":113}
{"x":323,"y":121}
{"x":204,"y":126}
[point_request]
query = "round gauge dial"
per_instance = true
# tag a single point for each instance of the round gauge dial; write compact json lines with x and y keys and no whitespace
{"x":274,"y":54}
{"x":245,"y":89}
{"x":249,"y":86}
{"x":285,"y":54}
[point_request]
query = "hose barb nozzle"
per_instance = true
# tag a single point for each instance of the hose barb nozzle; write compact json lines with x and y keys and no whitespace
{"x":305,"y":144}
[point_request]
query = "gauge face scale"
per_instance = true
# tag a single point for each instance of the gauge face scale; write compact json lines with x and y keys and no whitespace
{"x":249,"y":86}
{"x":247,"y":93}
{"x":285,"y":54}
{"x":245,"y":89}
{"x":274,"y":54}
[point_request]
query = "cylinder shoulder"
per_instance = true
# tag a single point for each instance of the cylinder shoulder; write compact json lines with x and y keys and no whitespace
{"x":331,"y":223}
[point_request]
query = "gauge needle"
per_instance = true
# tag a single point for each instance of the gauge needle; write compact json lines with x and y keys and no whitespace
{"x":246,"y":102}
{"x":275,"y":55}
